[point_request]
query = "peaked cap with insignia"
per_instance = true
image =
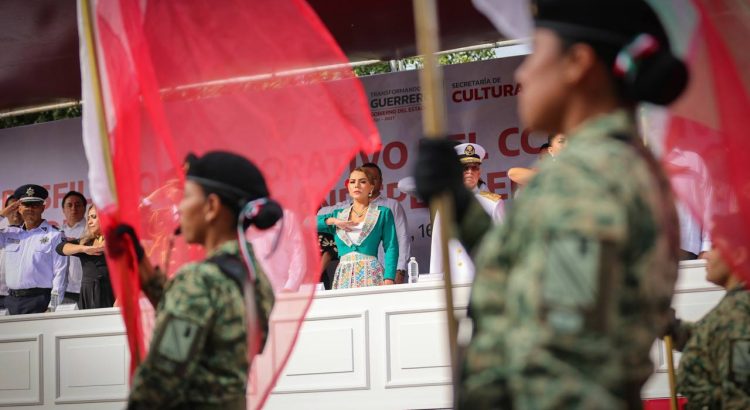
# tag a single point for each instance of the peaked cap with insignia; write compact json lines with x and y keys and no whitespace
{"x":30,"y":193}
{"x":470,"y":153}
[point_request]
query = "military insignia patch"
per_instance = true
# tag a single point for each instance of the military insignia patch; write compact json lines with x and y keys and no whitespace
{"x":44,"y":240}
{"x":740,"y":362}
{"x":178,"y":339}
{"x":570,"y":283}
{"x":469,"y":150}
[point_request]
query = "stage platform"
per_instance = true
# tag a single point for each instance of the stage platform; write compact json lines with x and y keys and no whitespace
{"x":370,"y":348}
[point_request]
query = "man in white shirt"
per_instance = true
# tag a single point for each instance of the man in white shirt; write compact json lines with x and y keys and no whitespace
{"x":690,"y":180}
{"x":462,"y":268}
{"x":74,"y":226}
{"x":36,"y":275}
{"x":10,"y":217}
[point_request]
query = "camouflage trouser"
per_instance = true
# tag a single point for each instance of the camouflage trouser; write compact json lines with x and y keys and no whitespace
{"x":236,"y":404}
{"x":233,"y":404}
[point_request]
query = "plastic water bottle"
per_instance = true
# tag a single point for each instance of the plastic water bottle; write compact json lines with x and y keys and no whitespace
{"x":413,"y":270}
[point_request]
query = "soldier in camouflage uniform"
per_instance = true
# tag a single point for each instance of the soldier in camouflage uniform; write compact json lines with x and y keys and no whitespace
{"x":714,"y":369}
{"x":198,"y":358}
{"x":574,"y":287}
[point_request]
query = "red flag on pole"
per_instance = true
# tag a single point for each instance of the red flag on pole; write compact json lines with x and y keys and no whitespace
{"x":262,"y":79}
{"x":705,"y":145}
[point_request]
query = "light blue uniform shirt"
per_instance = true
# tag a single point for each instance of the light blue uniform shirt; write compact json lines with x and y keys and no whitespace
{"x":31,"y":260}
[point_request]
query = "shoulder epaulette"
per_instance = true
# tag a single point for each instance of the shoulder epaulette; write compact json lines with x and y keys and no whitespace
{"x":491,"y":196}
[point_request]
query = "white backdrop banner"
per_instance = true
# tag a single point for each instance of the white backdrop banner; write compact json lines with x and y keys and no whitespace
{"x":48,"y":154}
{"x":481,"y":109}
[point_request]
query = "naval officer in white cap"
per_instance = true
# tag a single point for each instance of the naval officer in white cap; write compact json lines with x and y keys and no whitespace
{"x":462,"y":269}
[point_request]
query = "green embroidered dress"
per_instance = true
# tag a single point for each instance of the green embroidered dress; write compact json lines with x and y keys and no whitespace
{"x":358,"y":248}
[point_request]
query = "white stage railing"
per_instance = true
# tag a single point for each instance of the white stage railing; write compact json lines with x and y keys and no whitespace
{"x":382,"y":347}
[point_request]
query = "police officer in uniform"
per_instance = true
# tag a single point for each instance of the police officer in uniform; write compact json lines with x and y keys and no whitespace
{"x":462,"y":268}
{"x":198,"y":358}
{"x":575,"y":285}
{"x":9,"y":216}
{"x":35,"y":274}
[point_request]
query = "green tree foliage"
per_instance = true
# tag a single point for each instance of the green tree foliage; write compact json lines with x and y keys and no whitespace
{"x":38,"y":117}
{"x":412,"y":63}
{"x":467,"y":56}
{"x":370,"y":69}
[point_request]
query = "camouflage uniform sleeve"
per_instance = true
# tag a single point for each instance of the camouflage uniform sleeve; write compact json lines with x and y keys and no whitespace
{"x":735,"y":369}
{"x":485,"y":364}
{"x":731,"y":346}
{"x":183,"y":321}
{"x":563,"y":289}
{"x":714,"y":369}
{"x":697,"y":377}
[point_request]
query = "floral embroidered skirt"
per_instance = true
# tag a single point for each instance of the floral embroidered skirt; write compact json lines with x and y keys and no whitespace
{"x":357,"y":270}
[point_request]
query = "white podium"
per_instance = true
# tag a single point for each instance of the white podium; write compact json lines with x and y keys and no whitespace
{"x":372,"y":348}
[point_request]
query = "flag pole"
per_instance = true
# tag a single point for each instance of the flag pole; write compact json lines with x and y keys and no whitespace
{"x":98,"y":106}
{"x":670,"y":373}
{"x":434,"y":126}
{"x":98,"y":102}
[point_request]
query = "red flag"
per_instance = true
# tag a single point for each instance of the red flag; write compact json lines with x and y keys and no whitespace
{"x":705,"y":144}
{"x":261,"y":78}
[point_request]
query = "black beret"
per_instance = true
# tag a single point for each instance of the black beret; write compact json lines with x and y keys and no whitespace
{"x":227,"y":174}
{"x":614,"y":22}
{"x":626,"y":34}
{"x":30,"y":193}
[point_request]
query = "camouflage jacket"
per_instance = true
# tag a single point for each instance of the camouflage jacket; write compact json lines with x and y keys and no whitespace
{"x":572,"y":289}
{"x":198,"y":353}
{"x":714,"y":369}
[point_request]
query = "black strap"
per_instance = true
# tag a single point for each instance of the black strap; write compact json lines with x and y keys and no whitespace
{"x":233,"y":267}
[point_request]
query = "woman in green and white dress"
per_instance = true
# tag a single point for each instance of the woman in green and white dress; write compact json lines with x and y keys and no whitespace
{"x":359,"y":230}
